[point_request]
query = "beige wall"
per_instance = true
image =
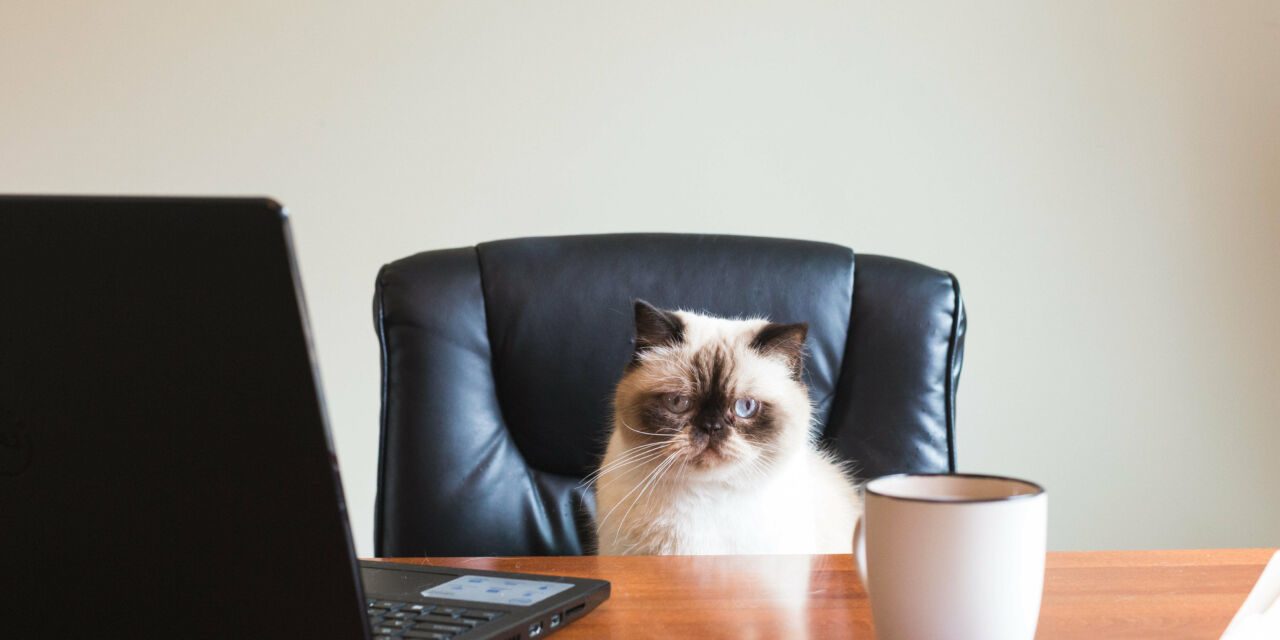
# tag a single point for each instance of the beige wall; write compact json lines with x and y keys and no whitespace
{"x":1103,"y":177}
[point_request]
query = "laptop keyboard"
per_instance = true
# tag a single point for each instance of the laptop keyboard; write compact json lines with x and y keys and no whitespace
{"x":391,"y":619}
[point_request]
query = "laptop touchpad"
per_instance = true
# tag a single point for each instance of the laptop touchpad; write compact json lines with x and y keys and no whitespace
{"x":495,"y":590}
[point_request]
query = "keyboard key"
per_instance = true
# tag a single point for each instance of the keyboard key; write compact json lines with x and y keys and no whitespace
{"x":449,"y":611}
{"x":385,"y":604}
{"x":387,"y":631}
{"x":431,"y":617}
{"x":418,"y":607}
{"x":401,"y":615}
{"x":398,"y":624}
{"x":440,"y":628}
{"x":481,"y":614}
{"x":426,"y":635}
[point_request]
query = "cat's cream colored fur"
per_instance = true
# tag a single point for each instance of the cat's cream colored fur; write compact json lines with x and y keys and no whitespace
{"x":657,"y":492}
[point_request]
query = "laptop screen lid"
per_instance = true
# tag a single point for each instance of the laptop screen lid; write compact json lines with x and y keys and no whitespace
{"x":165,"y":464}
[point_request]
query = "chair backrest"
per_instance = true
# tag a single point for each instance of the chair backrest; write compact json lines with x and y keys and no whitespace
{"x":499,"y":363}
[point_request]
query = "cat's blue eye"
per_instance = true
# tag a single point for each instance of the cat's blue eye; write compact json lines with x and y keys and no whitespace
{"x":745,"y":407}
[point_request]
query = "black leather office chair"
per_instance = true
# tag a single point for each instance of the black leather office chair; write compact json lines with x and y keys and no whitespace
{"x":499,"y":361}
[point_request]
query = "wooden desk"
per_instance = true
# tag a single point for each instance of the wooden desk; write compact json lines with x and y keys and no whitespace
{"x":1107,"y":594}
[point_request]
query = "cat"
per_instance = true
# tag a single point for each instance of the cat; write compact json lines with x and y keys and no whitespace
{"x":711,"y":450}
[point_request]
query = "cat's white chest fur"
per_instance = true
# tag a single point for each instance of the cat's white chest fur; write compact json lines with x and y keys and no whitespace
{"x":801,"y":506}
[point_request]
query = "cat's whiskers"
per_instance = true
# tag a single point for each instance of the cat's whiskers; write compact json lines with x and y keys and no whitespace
{"x":650,"y":452}
{"x":639,"y":449}
{"x":674,"y":432}
{"x":612,"y":481}
{"x":626,"y":472}
{"x":629,"y":461}
{"x":755,"y":466}
{"x":654,"y":477}
{"x":751,"y":469}
{"x":684,"y":468}
{"x":633,"y":490}
{"x":620,"y":467}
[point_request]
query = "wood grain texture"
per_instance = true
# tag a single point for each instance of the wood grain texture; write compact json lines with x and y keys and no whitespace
{"x":1104,"y":594}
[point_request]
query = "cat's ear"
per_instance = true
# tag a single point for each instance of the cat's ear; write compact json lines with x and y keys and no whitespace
{"x":655,"y":327}
{"x":786,"y":340}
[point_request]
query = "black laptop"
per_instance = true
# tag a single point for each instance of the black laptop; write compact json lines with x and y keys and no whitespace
{"x":166,"y":469}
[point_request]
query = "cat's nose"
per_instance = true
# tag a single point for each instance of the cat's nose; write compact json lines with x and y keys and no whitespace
{"x":714,"y":426}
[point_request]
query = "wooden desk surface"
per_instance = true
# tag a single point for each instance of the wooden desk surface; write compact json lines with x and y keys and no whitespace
{"x":1105,"y":594}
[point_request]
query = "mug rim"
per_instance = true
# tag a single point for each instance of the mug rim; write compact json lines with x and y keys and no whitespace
{"x":1037,"y":489}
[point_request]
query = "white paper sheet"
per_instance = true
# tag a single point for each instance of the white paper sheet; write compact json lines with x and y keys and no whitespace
{"x":1259,"y":617}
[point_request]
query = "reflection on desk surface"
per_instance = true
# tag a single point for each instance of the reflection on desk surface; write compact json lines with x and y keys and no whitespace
{"x":1094,"y":594}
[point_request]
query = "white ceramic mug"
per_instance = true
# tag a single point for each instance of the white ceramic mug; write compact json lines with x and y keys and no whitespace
{"x":954,"y":556}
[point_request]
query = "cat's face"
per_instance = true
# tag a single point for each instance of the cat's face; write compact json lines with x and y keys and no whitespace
{"x":714,"y":396}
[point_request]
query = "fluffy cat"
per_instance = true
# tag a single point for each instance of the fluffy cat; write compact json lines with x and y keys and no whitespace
{"x":711,"y":451}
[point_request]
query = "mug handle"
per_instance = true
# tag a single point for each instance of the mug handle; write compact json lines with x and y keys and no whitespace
{"x":860,"y":553}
